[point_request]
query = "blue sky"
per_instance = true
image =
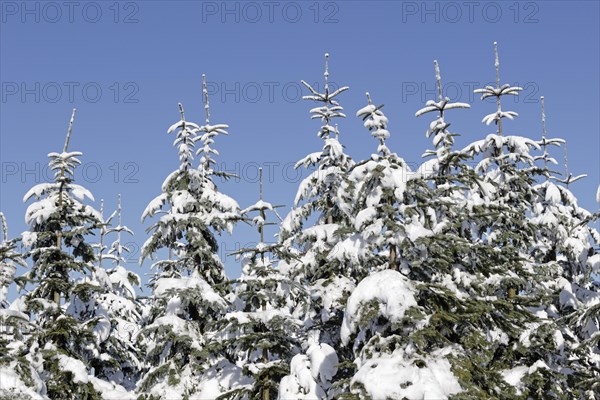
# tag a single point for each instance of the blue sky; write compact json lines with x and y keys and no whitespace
{"x":126,"y":65}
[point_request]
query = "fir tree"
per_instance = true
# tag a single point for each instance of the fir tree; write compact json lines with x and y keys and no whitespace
{"x":113,"y":303}
{"x":19,"y":378}
{"x":59,"y":223}
{"x":396,"y":321}
{"x":374,"y":198}
{"x":565,"y":251}
{"x":10,"y":259}
{"x":317,"y":194}
{"x":187,"y":287}
{"x":506,"y":164}
{"x":261,"y":332}
{"x":311,"y":254}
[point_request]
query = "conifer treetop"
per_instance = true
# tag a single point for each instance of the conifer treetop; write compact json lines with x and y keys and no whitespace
{"x":63,"y":164}
{"x":206,"y":102}
{"x":443,"y":103}
{"x":376,"y":122}
{"x":260,"y":221}
{"x":569,"y":177}
{"x":498,"y":92}
{"x":438,"y":127}
{"x":330,"y":109}
{"x":102,"y":234}
{"x":207,"y":133}
{"x":545,"y":142}
{"x":117,"y":249}
{"x":184,"y":141}
{"x":62,"y":190}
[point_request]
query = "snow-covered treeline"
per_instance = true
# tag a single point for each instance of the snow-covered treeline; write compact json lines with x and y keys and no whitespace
{"x":473,"y":276}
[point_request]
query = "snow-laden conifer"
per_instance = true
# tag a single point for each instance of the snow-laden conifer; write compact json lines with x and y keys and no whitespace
{"x":10,"y":260}
{"x":311,"y":234}
{"x":261,"y":331}
{"x":373,"y":197}
{"x":111,"y":301}
{"x":18,"y":379}
{"x":187,"y":286}
{"x":386,"y":321}
{"x":566,"y":255}
{"x":64,"y":341}
{"x":508,"y":168}
{"x":506,"y":164}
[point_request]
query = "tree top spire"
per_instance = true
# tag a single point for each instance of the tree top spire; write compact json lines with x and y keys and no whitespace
{"x":498,"y":92}
{"x":181,"y":111}
{"x":330,"y":108}
{"x":326,"y":74}
{"x":497,"y":64}
{"x":119,"y":208}
{"x":438,"y":79}
{"x":69,"y":131}
{"x":4,"y":227}
{"x":206,"y":103}
{"x":260,"y":173}
{"x":543,"y":117}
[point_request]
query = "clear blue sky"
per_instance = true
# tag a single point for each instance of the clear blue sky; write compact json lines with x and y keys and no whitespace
{"x":144,"y":57}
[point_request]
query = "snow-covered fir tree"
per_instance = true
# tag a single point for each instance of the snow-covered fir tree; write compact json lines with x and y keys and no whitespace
{"x":566,"y":256}
{"x":10,"y":260}
{"x":112,"y":301}
{"x":373,"y":197}
{"x":64,"y":339}
{"x":261,"y":331}
{"x":18,"y":379}
{"x":533,"y":364}
{"x":187,"y":287}
{"x":313,"y":255}
{"x":390,"y":323}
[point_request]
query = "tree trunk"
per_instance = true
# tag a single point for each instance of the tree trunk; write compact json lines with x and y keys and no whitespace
{"x":393,"y":258}
{"x":265,"y":358}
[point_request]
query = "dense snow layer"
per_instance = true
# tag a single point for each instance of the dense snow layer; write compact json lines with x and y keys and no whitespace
{"x":395,"y":376}
{"x":194,"y":281}
{"x":331,"y":293}
{"x":108,"y":390}
{"x":220,"y":379}
{"x":310,"y":373}
{"x":11,"y":383}
{"x":323,"y":362}
{"x":391,"y":290}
